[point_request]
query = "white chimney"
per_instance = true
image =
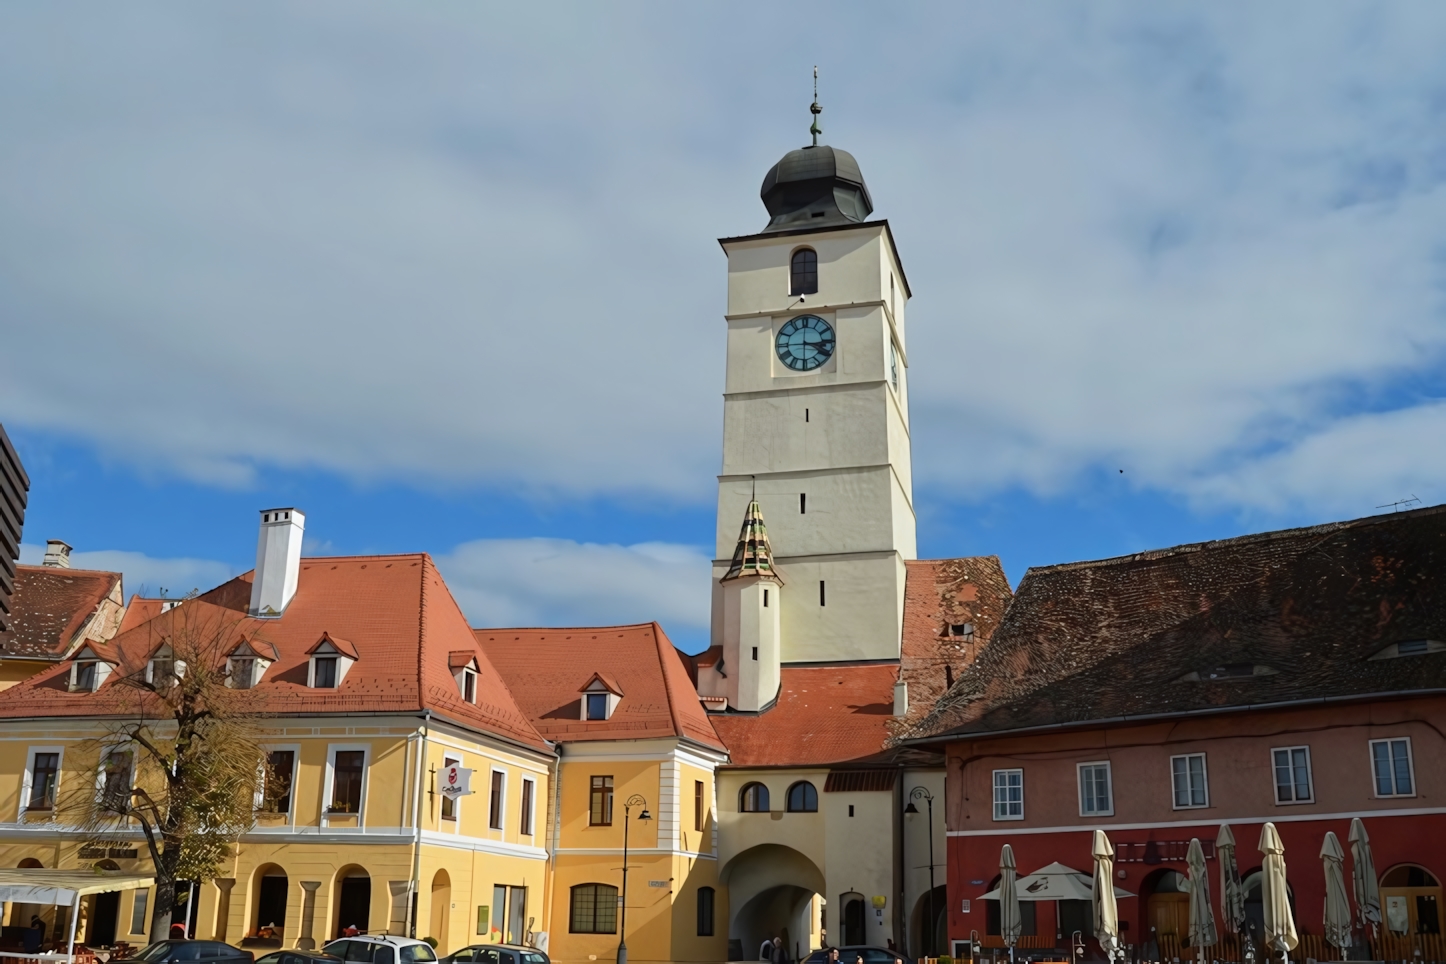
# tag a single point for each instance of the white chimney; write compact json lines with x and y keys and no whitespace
{"x":57,"y":554}
{"x":901,"y":698}
{"x":278,"y":561}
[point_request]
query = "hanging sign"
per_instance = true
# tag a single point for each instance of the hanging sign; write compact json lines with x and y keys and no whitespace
{"x":456,"y":780}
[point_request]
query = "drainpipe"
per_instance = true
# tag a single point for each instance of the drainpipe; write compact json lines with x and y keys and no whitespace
{"x":555,"y":774}
{"x":417,"y":830}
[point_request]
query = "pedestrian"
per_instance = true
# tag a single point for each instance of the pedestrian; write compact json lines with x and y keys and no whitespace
{"x":178,"y":932}
{"x":780,"y":953}
{"x":765,"y":950}
{"x":34,"y":937}
{"x":832,"y":956}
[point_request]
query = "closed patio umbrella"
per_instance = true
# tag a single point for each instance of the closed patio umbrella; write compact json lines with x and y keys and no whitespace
{"x":1107,"y":912}
{"x":1202,"y":915}
{"x":1363,"y":878}
{"x":1010,"y":920}
{"x":1232,"y":897}
{"x":1337,"y":908}
{"x":1275,"y":894}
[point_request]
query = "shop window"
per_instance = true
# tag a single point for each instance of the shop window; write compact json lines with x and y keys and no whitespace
{"x":594,"y":909}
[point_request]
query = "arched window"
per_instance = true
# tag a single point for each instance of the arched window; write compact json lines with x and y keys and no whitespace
{"x":753,"y":799}
{"x":705,"y":911}
{"x":803,"y":278}
{"x":594,"y":909}
{"x":802,"y":798}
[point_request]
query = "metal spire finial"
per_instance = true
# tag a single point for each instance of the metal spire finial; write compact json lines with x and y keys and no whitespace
{"x":814,"y":109}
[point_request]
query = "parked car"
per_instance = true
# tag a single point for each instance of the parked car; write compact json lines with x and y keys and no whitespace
{"x":193,"y":952}
{"x":496,"y":954}
{"x":850,"y":954}
{"x":381,"y":949}
{"x":298,"y":957}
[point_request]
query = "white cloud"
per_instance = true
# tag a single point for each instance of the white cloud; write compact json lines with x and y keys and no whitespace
{"x":558,"y":582}
{"x":141,"y":572}
{"x":454,"y":245}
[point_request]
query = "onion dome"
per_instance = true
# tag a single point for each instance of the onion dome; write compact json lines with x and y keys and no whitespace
{"x":815,"y":186}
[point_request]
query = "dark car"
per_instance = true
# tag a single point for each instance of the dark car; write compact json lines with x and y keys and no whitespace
{"x":852,"y":953}
{"x":299,"y":957}
{"x":496,"y":954}
{"x":193,"y":952}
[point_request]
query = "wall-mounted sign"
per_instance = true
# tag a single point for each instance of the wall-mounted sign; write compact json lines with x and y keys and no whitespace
{"x":456,"y":781}
{"x":964,"y":908}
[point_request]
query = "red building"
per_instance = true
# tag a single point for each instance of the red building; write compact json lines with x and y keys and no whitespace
{"x":1295,"y":677}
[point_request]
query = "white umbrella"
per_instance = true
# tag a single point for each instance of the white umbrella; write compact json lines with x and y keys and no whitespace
{"x":1363,"y":878}
{"x":1275,"y":894}
{"x":1337,"y":908}
{"x":1232,"y":897}
{"x":1107,"y":912}
{"x":1054,"y":882}
{"x":1202,"y":915}
{"x":1010,"y":920}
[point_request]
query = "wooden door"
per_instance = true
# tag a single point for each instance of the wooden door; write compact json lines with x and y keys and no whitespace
{"x":1170,"y":914}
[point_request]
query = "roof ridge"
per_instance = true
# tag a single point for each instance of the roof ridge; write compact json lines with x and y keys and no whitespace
{"x":658,"y":638}
{"x":1149,"y":555}
{"x":558,"y":629}
{"x":375,"y":555}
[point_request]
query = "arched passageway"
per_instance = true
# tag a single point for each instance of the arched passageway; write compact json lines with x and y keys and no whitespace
{"x":269,"y":894}
{"x":353,"y":891}
{"x":927,"y":929}
{"x":773,"y":891}
{"x":854,"y":924}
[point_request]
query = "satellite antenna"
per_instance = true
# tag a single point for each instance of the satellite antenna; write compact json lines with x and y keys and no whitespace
{"x":1399,"y":504}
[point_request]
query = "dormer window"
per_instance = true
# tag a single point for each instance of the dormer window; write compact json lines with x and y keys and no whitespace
{"x":87,"y":671}
{"x":248,"y":662}
{"x":463,"y":663}
{"x":164,"y":669}
{"x":331,"y":659}
{"x":964,"y":631}
{"x":600,"y":697}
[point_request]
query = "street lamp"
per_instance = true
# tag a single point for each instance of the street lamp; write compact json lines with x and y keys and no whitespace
{"x":636,"y":800}
{"x":920,"y":793}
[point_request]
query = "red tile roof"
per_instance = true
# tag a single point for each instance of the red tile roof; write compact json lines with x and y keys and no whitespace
{"x":140,"y":610}
{"x":824,"y":715}
{"x":51,"y":605}
{"x":394,"y":612}
{"x":546,"y":668}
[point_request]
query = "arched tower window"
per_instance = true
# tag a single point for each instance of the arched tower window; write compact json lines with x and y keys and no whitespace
{"x":753,"y":798}
{"x":803,"y":278}
{"x":802,"y":798}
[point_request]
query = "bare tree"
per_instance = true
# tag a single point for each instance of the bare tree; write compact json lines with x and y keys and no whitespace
{"x":181,"y":758}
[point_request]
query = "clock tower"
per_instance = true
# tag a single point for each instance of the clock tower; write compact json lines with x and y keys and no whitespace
{"x":816,"y":416}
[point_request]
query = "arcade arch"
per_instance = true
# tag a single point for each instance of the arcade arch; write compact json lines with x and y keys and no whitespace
{"x":353,"y":889}
{"x":773,"y":891}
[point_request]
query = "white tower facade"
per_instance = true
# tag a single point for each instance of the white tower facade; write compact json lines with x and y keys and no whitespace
{"x":816,"y":412}
{"x":751,"y":600}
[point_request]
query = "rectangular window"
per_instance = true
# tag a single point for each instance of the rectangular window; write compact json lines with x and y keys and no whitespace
{"x":597,"y":706}
{"x":705,"y":911}
{"x":765,"y":599}
{"x":116,"y":788}
{"x":85,"y":676}
{"x":494,"y":816}
{"x":802,"y":503}
{"x":1008,"y":794}
{"x":822,"y":599}
{"x":243,"y":673}
{"x":755,"y":654}
{"x":44,"y":778}
{"x":1292,"y":774}
{"x":1094,"y":790}
{"x":280,"y":765}
{"x":1391,"y":766}
{"x":499,"y":909}
{"x":699,"y":805}
{"x":594,"y":909}
{"x":516,"y":914}
{"x":449,"y":802}
{"x":348,"y":769}
{"x":1187,"y":774}
{"x":138,"y":912}
{"x":600,"y":804}
{"x":524,"y":824}
{"x":469,"y":686}
{"x":326,"y":672}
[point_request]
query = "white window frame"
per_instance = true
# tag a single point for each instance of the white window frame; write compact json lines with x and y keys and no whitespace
{"x":178,"y":666}
{"x":1410,"y":767}
{"x":1204,"y":773}
{"x":526,"y":822}
{"x":1079,"y":787}
{"x":502,"y":804}
{"x":105,"y":754}
{"x":451,"y":759}
{"x":329,"y":780}
{"x":102,"y":672}
{"x":1309,"y":776}
{"x":326,"y":650}
{"x":28,"y":781}
{"x":145,"y":912}
{"x":994,"y":789}
{"x":295,"y":749}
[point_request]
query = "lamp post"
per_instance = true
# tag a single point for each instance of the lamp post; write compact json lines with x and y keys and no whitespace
{"x":921,"y":793}
{"x":636,"y":800}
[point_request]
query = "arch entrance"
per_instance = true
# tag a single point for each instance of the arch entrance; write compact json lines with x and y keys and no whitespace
{"x":269,"y":887}
{"x":854,"y":929}
{"x":926,"y":924}
{"x":441,"y":909}
{"x":1411,"y":900}
{"x":102,"y":913}
{"x":773,"y":891}
{"x":353,"y":899}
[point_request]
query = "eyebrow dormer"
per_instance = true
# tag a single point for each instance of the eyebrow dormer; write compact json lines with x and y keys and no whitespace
{"x":248,"y":662}
{"x":600,"y":697}
{"x":463,"y":664}
{"x":88,"y":670}
{"x":331,"y":659}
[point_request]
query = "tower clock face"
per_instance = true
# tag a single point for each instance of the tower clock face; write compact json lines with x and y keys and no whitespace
{"x":805,"y":343}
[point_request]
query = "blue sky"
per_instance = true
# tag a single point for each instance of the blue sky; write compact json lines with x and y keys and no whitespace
{"x":447,"y":278}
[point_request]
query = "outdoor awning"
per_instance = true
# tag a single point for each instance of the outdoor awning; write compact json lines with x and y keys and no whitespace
{"x":41,"y":886}
{"x":1055,"y":882}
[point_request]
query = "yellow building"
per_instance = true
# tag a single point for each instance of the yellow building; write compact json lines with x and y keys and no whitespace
{"x":371,"y":685}
{"x":638,"y":756}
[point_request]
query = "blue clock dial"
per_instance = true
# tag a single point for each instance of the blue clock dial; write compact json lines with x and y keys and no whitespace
{"x":804,"y":343}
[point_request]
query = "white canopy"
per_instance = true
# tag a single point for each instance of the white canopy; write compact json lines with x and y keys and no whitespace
{"x":40,"y":886}
{"x":1055,"y":882}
